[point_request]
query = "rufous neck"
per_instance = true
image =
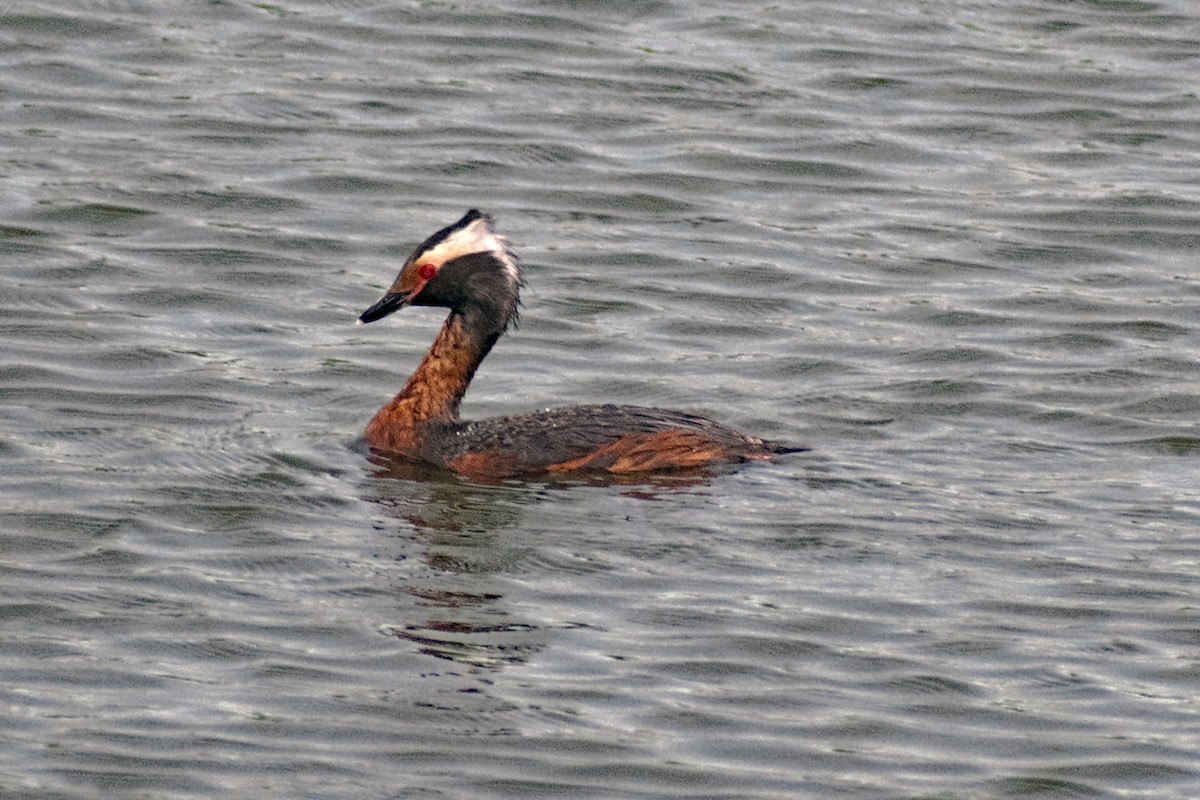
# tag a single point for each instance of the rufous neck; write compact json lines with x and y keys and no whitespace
{"x":436,"y":389}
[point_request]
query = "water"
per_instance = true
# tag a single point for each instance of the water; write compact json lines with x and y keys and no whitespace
{"x":951,"y":247}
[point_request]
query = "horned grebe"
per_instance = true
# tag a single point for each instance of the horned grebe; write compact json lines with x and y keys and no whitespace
{"x":470,"y":269}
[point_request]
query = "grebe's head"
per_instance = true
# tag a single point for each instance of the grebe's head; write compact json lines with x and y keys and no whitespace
{"x":466,"y":267}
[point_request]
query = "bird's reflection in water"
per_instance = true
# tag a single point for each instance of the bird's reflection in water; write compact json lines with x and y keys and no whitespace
{"x":643,"y":485}
{"x":455,"y":531}
{"x":469,"y":537}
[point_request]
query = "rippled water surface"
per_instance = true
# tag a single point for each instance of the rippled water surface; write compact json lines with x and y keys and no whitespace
{"x":952,"y":247}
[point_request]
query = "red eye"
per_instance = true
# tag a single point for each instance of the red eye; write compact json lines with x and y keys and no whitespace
{"x":426,"y":271}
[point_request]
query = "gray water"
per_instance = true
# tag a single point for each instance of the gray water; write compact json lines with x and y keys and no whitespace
{"x":951,"y":247}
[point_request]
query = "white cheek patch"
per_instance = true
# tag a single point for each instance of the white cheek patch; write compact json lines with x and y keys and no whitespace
{"x":478,"y":237}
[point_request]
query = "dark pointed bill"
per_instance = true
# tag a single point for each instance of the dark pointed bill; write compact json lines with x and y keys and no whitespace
{"x":392,"y":301}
